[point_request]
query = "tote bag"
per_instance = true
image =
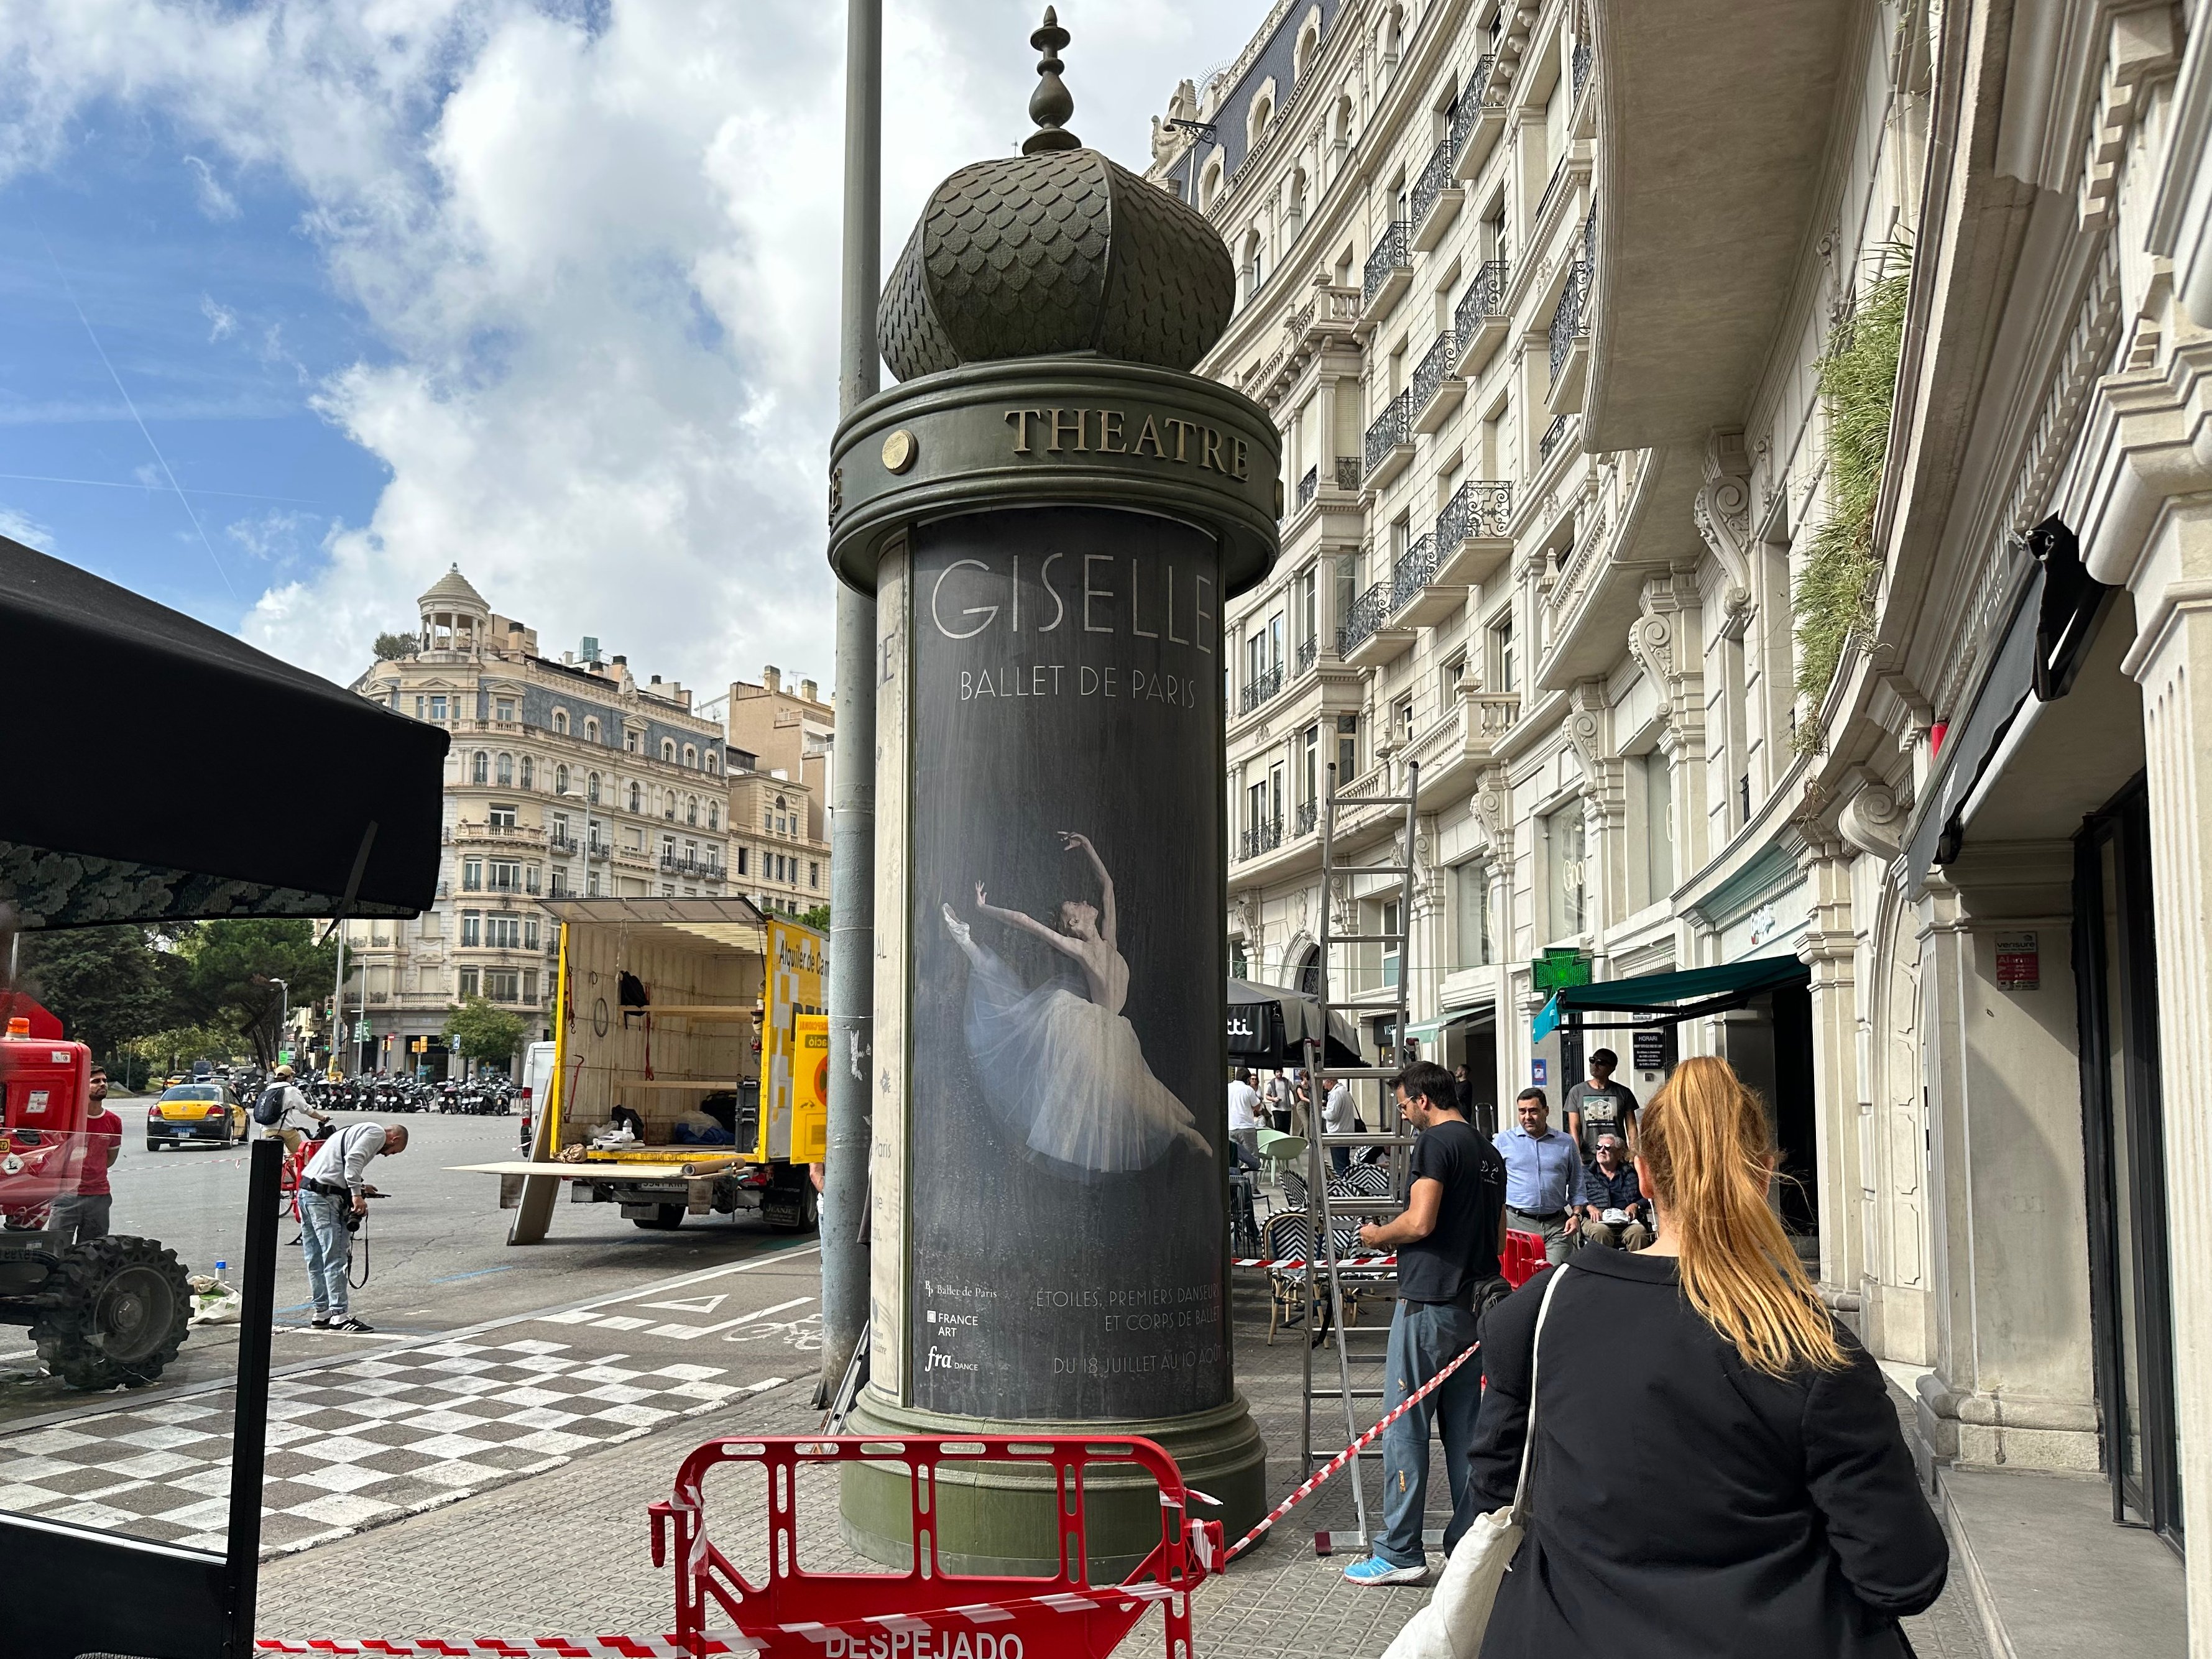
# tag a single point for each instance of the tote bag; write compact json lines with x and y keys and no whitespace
{"x":1452,"y":1624}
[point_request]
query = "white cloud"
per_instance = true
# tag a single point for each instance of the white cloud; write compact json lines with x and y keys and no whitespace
{"x":216,"y":202}
{"x":222,"y":319}
{"x":602,"y":262}
{"x":23,"y":527}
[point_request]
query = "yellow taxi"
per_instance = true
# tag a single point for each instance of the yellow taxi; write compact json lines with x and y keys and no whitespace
{"x":205,"y":1111}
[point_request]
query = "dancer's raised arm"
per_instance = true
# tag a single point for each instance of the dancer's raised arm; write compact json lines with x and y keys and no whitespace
{"x":1028,"y":923}
{"x":1071,"y":841}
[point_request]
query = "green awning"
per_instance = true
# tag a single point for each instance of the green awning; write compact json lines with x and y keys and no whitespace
{"x":1428,"y":1028}
{"x":1669,"y":998}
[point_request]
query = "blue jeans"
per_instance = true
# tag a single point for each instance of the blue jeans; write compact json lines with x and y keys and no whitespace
{"x":327,"y":1246}
{"x":1424,"y":1338}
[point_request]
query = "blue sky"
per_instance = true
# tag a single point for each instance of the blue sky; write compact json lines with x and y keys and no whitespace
{"x":543,"y":288}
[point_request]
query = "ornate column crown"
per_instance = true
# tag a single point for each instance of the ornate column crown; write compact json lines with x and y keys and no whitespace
{"x":1054,"y":251}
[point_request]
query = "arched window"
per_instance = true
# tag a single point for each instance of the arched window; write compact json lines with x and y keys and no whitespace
{"x":668,"y":806}
{"x":691,"y":756}
{"x":561,"y":722}
{"x":714,"y":815}
{"x":1262,"y":111}
{"x":636,"y":798}
{"x":529,"y":773}
{"x":691,"y":810}
{"x":591,"y":787}
{"x":713,"y":765}
{"x":480,"y":770}
{"x":590,"y":730}
{"x":561,"y":779}
{"x":1302,"y":60}
{"x":1209,"y":182}
{"x":668,"y":749}
{"x":506,"y":769}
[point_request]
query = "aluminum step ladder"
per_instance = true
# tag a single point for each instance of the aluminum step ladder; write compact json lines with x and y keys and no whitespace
{"x":1324,"y":1298}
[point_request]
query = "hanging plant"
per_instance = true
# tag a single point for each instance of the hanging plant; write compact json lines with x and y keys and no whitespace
{"x":1834,"y":600}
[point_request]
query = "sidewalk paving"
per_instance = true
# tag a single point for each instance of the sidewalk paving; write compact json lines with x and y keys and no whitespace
{"x":566,"y":1551}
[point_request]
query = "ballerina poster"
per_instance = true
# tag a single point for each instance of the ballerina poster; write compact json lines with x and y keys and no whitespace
{"x":1065,"y":903}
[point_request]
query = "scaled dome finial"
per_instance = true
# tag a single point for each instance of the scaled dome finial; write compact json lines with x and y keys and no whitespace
{"x":1051,"y":104}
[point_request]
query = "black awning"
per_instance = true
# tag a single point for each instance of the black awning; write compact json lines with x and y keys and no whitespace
{"x":160,"y":769}
{"x":1270,"y":1025}
{"x":1667,"y":998}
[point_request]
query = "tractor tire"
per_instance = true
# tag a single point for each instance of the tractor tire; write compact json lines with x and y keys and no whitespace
{"x":666,"y":1218}
{"x":125,"y":1312}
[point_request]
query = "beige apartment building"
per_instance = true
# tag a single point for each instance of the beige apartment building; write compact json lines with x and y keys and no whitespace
{"x":565,"y":776}
{"x":1758,"y":469}
{"x":790,"y":732}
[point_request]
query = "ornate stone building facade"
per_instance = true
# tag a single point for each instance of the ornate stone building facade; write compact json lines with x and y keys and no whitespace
{"x":1759,"y":470}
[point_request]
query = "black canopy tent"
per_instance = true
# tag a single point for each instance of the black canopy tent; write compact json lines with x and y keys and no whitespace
{"x":1269,"y":1025}
{"x":280,"y":793}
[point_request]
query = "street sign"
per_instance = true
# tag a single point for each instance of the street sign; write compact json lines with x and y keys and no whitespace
{"x":361,"y":1030}
{"x":1540,"y":1071}
{"x":2020,"y":962}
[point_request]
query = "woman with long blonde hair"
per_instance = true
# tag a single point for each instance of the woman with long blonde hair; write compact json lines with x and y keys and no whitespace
{"x":1717,"y":1467}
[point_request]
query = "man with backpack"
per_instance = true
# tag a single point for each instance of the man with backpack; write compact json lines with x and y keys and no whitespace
{"x":283,"y":1111}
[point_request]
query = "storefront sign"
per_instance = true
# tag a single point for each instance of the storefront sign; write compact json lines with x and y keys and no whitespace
{"x":2020,"y":962}
{"x":1646,"y":1049}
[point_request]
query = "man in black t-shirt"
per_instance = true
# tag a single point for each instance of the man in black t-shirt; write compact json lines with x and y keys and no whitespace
{"x":1448,"y":1242}
{"x":1599,"y":1106}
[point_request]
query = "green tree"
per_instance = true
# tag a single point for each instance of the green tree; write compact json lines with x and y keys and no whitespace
{"x":230,"y":975}
{"x":817,"y":918}
{"x":106,"y":985}
{"x":390,"y":647}
{"x":480,"y":1031}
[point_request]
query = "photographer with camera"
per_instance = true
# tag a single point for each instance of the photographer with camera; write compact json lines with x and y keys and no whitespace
{"x":334,"y":1196}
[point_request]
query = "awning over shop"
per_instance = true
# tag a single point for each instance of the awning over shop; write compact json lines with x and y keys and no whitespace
{"x":1667,"y":999}
{"x":1424,"y":1031}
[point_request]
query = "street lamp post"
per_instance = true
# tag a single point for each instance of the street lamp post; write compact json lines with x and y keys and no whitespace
{"x":283,"y":1014}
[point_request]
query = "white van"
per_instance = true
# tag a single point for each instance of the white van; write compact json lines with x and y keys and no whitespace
{"x":536,"y":1081}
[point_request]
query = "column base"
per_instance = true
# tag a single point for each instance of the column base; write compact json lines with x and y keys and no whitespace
{"x":998,"y":1518}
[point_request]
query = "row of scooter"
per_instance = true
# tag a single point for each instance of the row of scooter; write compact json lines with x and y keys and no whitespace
{"x":380,"y":1092}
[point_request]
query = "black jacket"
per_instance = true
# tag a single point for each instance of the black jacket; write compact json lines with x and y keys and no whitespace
{"x":1683,"y":1505}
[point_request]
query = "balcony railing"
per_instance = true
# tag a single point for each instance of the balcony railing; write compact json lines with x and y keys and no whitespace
{"x":1464,"y":111}
{"x":1435,"y":179}
{"x":1485,"y":297}
{"x":1429,"y":373}
{"x":1259,"y":688}
{"x":1478,"y":507}
{"x":1415,"y":569}
{"x":1567,"y":319}
{"x":1390,"y":254}
{"x":1263,"y":837}
{"x":1550,"y":440}
{"x":1392,"y":427}
{"x":466,"y":830}
{"x":1307,"y":653}
{"x":1309,"y":486}
{"x":1307,"y":815}
{"x":1557,"y":181}
{"x":1347,"y":471}
{"x":1582,"y":61}
{"x":564,"y":846}
{"x":1366,"y":613}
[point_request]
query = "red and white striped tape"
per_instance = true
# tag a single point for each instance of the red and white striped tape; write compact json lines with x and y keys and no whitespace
{"x":1348,"y":1453}
{"x":976,"y":1614}
{"x":1292,"y":1263}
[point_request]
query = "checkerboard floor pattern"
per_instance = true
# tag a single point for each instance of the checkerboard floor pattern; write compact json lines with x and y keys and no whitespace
{"x":352,"y":1444}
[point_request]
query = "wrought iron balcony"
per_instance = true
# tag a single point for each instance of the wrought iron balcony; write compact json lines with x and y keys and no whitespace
{"x":1366,"y":613}
{"x":1477,"y":507}
{"x":1262,"y":837}
{"x":1436,"y":389}
{"x":1550,"y":441}
{"x":565,"y":845}
{"x":1436,"y":196}
{"x":1567,"y":319}
{"x":1259,"y":688}
{"x":1484,"y":298}
{"x":1307,"y":815}
{"x":1347,"y":471}
{"x":1582,"y":61}
{"x":1309,"y":486}
{"x":1307,"y":653}
{"x":1415,"y":569}
{"x":1392,"y":430}
{"x":1392,"y":255}
{"x":1467,"y":113}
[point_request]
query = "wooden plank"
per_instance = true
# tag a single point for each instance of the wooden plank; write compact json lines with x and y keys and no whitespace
{"x":620,"y":1084}
{"x":729,"y":1011}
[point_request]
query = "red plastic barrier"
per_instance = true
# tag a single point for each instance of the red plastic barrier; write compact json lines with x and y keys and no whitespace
{"x":924,"y":1613}
{"x":1524,"y":1254}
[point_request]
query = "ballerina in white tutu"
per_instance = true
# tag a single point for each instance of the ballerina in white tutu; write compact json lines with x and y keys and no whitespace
{"x":1063,"y":1072}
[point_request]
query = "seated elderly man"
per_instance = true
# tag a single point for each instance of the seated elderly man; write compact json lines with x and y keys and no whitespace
{"x":1615,"y":1212}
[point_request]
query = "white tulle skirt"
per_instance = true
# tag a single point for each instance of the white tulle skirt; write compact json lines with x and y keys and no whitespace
{"x":1068,"y":1076}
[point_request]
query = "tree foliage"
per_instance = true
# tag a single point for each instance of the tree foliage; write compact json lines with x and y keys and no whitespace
{"x":817,"y":918}
{"x":106,"y":985}
{"x":390,"y":647}
{"x":230,"y":973}
{"x":1834,"y":598}
{"x":480,"y":1031}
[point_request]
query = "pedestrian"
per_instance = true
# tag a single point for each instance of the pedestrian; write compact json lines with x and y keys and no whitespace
{"x":1599,"y":1106}
{"x":335,"y":1187}
{"x":1757,"y":1497}
{"x":82,"y":1215}
{"x":1463,"y":1081}
{"x":1337,"y":1118}
{"x":1244,"y":1114}
{"x":1277,"y":1092}
{"x":1614,"y":1212}
{"x":1448,"y":1238}
{"x":1543,"y":1175}
{"x":283,"y":1111}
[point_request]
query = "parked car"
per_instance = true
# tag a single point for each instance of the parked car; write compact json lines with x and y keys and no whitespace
{"x":206,"y":1112}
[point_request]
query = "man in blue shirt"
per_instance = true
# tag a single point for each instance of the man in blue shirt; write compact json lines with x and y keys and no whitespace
{"x":1543,"y":1175}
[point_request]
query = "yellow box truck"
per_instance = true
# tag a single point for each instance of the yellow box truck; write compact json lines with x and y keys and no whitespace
{"x":691,"y":1050}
